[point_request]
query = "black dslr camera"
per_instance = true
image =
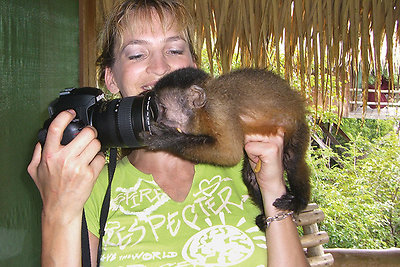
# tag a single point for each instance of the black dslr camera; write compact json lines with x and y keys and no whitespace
{"x":118,"y":122}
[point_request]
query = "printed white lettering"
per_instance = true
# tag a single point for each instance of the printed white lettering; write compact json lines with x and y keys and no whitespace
{"x":170,"y":254}
{"x":199,"y":201}
{"x":155,"y":226}
{"x":108,"y":257}
{"x":208,"y":187}
{"x":135,"y":228}
{"x":225,"y":200}
{"x":171,"y":222}
{"x":191,"y":223}
{"x":149,"y":256}
{"x":114,"y":228}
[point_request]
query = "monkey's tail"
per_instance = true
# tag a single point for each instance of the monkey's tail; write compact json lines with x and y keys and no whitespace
{"x":249,"y":179}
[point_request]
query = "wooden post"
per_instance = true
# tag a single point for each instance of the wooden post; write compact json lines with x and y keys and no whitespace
{"x":317,"y":250}
{"x":87,"y":42}
{"x":312,"y":238}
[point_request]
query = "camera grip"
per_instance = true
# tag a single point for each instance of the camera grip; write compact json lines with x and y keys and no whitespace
{"x":72,"y":130}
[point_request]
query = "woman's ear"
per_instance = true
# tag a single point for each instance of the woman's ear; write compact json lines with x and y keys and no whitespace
{"x":110,"y":81}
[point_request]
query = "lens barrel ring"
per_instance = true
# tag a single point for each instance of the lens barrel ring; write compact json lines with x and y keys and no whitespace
{"x":125,"y":122}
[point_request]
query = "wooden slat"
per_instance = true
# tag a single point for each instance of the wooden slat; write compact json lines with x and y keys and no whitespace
{"x":314,"y":239}
{"x":310,"y":207}
{"x":311,"y":217}
{"x":324,"y":260}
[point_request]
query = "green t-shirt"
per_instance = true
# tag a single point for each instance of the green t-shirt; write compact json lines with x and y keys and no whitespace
{"x":214,"y":226}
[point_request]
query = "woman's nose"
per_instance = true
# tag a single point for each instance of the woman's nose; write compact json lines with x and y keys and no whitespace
{"x":159,"y":65}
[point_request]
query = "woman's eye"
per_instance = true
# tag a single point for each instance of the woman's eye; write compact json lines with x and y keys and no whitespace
{"x":135,"y":57}
{"x":175,"y":52}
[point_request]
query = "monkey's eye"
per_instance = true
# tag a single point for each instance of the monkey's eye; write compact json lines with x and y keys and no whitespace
{"x":162,"y":109}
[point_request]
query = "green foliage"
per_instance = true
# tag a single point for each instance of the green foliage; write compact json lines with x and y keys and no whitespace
{"x":205,"y":64}
{"x":369,"y":128}
{"x":360,"y":195}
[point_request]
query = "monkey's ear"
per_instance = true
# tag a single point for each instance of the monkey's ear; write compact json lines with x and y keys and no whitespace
{"x":196,"y":96}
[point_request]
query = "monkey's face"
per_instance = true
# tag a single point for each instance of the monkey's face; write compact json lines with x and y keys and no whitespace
{"x":173,"y":109}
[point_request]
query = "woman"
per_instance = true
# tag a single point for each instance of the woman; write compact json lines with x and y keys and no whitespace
{"x":164,"y":210}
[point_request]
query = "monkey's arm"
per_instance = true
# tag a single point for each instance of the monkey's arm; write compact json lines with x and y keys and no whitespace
{"x":170,"y":139}
{"x":199,"y":148}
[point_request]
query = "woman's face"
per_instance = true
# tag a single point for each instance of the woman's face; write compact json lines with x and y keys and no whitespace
{"x":145,"y":56}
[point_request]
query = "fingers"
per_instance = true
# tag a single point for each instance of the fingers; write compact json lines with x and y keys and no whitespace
{"x":55,"y":158}
{"x":56,"y":130}
{"x":65,"y":175}
{"x":98,"y":163}
{"x":90,"y":151}
{"x":262,"y":147}
{"x":265,"y":151}
{"x":86,"y":148}
{"x":79,"y":144}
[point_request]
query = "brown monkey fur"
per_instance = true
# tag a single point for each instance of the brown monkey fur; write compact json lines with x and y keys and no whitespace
{"x":205,"y":119}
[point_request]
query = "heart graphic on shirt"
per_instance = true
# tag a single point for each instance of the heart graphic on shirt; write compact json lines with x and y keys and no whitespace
{"x":208,"y":187}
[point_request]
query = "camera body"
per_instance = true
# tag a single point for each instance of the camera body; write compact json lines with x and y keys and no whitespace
{"x":118,"y":122}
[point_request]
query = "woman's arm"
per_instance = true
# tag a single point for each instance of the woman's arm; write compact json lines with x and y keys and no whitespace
{"x":93,"y":244}
{"x":65,"y":176}
{"x":283,"y":242}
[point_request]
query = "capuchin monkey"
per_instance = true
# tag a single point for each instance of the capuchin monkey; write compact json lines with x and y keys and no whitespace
{"x":205,"y":120}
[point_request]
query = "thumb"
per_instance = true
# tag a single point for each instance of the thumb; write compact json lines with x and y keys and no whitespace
{"x":33,"y":165}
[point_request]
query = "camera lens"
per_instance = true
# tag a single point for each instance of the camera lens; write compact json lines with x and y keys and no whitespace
{"x":119,"y":122}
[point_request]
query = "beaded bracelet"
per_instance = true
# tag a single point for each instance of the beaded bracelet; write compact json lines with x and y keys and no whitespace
{"x":278,"y":217}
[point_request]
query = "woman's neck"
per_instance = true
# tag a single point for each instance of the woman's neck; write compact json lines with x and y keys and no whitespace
{"x":151,"y":162}
{"x":167,"y":170}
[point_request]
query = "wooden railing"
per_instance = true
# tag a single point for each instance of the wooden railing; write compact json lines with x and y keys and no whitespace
{"x":313,"y":239}
{"x":365,"y":257}
{"x":389,"y":103}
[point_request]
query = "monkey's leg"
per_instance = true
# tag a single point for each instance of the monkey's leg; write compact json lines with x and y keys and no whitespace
{"x":297,"y":173}
{"x":298,"y":192}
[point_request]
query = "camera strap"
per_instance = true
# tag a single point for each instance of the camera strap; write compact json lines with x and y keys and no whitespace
{"x":85,"y":248}
{"x":106,"y":201}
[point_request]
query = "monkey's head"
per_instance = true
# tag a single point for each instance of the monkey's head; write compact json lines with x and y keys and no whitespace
{"x":178,"y":95}
{"x":177,"y":106}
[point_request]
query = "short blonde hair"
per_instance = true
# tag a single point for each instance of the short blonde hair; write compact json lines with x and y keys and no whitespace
{"x":133,"y":13}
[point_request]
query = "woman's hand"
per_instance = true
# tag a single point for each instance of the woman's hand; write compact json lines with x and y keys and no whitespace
{"x":268,"y":150}
{"x":65,"y":175}
{"x":283,"y":243}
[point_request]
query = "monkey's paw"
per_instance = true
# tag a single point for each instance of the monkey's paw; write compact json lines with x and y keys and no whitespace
{"x":285,"y":202}
{"x":161,"y":137}
{"x":289,"y":202}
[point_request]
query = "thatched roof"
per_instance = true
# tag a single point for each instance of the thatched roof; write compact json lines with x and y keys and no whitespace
{"x":325,"y":44}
